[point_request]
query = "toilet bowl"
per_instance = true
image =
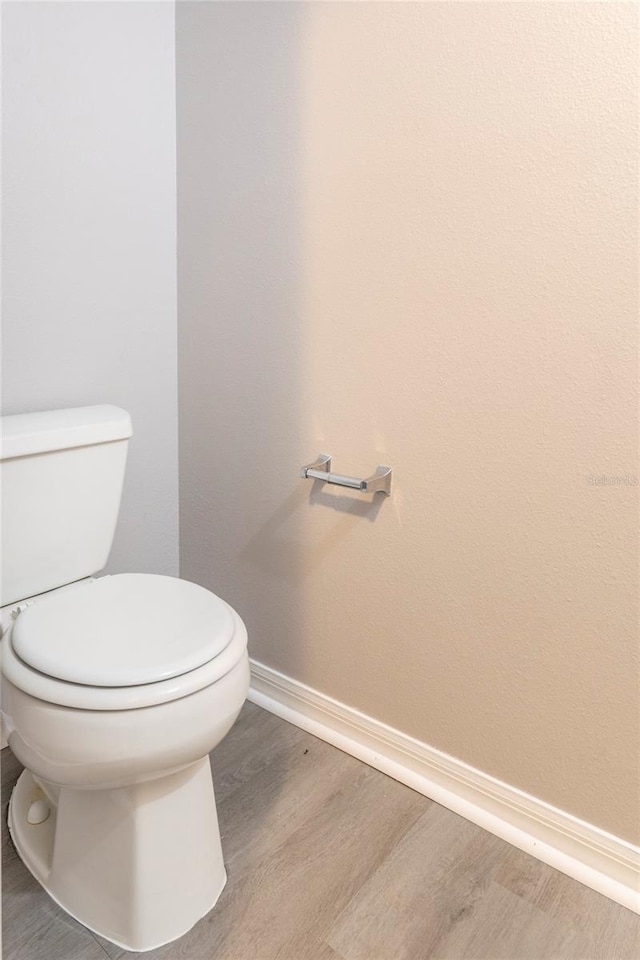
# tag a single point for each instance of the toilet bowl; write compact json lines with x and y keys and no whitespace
{"x":114,"y":691}
{"x":117,"y":775}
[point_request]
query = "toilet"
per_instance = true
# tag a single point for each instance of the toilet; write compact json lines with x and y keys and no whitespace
{"x":114,"y":691}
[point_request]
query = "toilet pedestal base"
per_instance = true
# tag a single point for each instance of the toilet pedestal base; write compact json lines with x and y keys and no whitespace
{"x":139,"y":865}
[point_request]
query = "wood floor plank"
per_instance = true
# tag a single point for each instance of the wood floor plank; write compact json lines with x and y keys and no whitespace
{"x":426,"y":884}
{"x":260,"y":817}
{"x":259,"y":740}
{"x":610,"y":931}
{"x":329,"y":859}
{"x":500,"y":926}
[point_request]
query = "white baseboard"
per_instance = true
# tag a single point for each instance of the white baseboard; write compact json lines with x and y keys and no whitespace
{"x":582,"y":851}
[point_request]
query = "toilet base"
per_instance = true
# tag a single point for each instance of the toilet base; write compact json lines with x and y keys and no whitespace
{"x":139,"y":865}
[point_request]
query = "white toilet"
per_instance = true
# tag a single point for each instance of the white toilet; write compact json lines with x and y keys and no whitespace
{"x":114,"y":690}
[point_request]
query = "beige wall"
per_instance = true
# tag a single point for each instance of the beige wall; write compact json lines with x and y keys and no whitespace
{"x":408,"y":235}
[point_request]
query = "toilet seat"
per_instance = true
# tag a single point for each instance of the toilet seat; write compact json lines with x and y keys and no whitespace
{"x":173,"y":638}
{"x":123,"y":630}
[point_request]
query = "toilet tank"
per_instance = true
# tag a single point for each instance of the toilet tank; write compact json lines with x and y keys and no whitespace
{"x":61,"y":476}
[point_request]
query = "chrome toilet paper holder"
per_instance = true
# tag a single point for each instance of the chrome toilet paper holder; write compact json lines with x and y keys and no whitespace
{"x":320,"y":469}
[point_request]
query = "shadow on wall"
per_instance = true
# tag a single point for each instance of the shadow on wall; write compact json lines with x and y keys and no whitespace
{"x":238,"y":298}
{"x":244,"y":326}
{"x":287,"y":560}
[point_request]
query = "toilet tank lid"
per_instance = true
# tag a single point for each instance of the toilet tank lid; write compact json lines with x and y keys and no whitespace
{"x":25,"y":434}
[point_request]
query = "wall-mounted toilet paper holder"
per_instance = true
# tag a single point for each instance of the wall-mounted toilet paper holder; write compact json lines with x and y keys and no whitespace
{"x":379,"y":482}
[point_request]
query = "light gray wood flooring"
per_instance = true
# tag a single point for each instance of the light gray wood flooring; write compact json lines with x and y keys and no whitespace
{"x":329,"y":859}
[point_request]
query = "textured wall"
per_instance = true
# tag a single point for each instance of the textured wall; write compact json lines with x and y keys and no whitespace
{"x":408,"y":235}
{"x":89,"y":238}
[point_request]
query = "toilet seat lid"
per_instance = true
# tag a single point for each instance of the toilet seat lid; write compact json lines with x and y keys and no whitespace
{"x":123,"y":630}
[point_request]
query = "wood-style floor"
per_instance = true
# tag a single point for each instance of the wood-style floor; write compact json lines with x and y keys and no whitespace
{"x":329,"y":859}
